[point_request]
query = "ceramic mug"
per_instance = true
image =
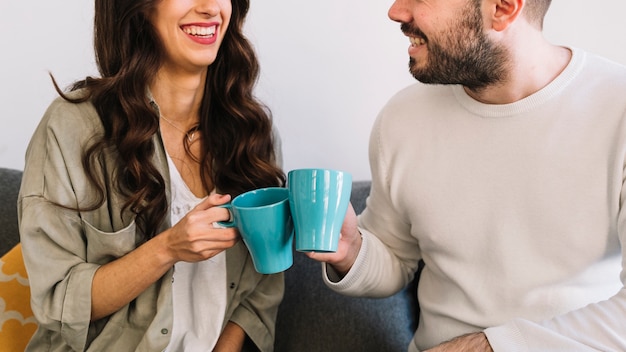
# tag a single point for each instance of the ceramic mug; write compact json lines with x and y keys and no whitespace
{"x":264,"y":221}
{"x":318,"y":199}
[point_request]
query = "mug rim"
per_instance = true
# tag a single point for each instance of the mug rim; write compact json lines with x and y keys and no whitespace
{"x":264,"y":189}
{"x":309,"y":169}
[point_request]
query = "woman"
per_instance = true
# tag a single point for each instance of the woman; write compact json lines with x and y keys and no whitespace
{"x":168,"y":132}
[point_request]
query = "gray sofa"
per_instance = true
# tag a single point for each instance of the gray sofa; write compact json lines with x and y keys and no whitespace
{"x":311,"y":318}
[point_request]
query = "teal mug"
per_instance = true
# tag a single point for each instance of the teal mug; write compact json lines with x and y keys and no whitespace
{"x":264,"y":221}
{"x":318,"y":199}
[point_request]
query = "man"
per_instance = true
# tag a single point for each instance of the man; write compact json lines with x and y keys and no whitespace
{"x":504,"y":174}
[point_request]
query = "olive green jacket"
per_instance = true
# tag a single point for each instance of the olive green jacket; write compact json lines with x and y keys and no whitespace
{"x":63,"y":249}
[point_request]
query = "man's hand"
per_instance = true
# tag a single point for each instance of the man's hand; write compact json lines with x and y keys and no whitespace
{"x":348,"y":248}
{"x":476,"y":342}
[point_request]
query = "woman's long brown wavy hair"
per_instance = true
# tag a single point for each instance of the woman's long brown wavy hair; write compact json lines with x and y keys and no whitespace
{"x":237,"y":144}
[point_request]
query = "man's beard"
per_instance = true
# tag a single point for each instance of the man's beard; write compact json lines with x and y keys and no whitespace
{"x":465,"y":56}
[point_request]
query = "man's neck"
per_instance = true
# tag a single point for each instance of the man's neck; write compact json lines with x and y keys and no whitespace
{"x":531,"y":69}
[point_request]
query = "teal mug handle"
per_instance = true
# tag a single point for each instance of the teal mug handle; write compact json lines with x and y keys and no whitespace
{"x":230,"y":223}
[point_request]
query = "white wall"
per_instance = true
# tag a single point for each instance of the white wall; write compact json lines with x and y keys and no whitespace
{"x":328,"y":66}
{"x":37,"y":37}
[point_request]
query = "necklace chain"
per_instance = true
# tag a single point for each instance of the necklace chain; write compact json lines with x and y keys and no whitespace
{"x":190,"y":134}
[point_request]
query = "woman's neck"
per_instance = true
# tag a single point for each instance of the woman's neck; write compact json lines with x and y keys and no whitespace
{"x":179,"y":96}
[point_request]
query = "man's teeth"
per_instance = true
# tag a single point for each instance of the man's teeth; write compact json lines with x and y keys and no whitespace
{"x":417,"y":41}
{"x":200,"y":31}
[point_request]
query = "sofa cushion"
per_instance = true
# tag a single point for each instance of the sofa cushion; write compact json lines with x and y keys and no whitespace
{"x":313,"y":318}
{"x":17,"y":323}
{"x":9,"y":187}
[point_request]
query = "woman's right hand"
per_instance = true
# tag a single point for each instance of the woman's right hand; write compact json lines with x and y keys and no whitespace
{"x":195,"y":237}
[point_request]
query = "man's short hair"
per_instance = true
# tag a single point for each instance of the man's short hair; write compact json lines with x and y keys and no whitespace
{"x":535,"y":11}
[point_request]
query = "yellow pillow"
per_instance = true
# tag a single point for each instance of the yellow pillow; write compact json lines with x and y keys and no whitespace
{"x":17,"y":323}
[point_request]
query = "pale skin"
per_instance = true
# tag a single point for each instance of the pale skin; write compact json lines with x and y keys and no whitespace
{"x":177,"y":88}
{"x":533,"y":62}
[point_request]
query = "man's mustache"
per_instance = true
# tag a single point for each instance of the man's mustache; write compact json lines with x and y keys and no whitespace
{"x":412,"y":31}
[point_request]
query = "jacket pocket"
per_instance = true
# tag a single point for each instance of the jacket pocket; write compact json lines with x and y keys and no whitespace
{"x":104,"y":247}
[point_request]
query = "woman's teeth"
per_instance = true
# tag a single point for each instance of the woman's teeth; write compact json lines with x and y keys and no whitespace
{"x":200,"y":31}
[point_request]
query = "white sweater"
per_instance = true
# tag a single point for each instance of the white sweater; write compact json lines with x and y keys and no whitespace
{"x":515,"y":209}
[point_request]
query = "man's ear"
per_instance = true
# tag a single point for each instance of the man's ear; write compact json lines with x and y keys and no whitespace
{"x":504,"y":12}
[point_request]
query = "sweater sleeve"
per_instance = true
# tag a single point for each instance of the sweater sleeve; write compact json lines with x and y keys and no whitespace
{"x":596,"y":327}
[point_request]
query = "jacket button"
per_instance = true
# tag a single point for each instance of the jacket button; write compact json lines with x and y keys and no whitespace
{"x":164,"y":331}
{"x":232,"y":285}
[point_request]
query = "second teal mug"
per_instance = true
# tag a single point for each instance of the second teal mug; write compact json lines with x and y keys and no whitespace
{"x":318,"y":199}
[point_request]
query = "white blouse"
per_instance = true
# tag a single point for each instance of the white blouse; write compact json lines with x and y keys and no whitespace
{"x":198,"y":289}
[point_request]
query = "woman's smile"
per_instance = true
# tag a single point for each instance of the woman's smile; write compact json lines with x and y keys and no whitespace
{"x":202,"y":33}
